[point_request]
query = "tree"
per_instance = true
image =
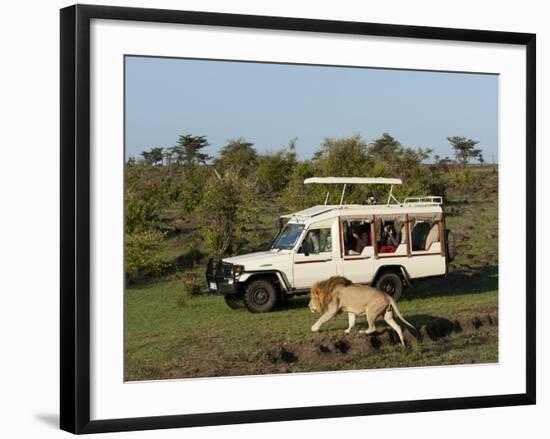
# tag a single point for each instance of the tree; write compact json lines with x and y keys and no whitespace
{"x":187,"y":150}
{"x":274,"y":169}
{"x":237,"y":154}
{"x":297,"y":195}
{"x":384,"y":148}
{"x":228,"y":205}
{"x":153,"y":156}
{"x":464,"y":149}
{"x":344,"y":157}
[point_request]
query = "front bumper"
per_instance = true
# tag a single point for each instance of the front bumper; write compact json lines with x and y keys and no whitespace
{"x":220,"y":277}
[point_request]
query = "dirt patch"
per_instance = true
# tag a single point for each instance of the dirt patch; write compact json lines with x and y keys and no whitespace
{"x":338,"y":347}
{"x":281,"y":354}
{"x":433,"y":342}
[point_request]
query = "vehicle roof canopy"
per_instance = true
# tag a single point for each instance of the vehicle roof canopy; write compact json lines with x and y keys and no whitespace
{"x":352,"y":180}
{"x":330,"y":211}
{"x":411,"y":205}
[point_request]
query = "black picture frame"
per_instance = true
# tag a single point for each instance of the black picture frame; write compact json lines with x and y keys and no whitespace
{"x":75,"y":217}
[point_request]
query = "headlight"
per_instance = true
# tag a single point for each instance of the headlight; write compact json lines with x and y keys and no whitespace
{"x":238,"y":269}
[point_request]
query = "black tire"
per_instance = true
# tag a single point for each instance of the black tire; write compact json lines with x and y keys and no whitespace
{"x":260,"y":296}
{"x":234,"y":301}
{"x":450,"y":244}
{"x":391,"y":283}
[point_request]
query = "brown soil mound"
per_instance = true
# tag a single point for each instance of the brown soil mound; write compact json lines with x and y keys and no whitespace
{"x":311,"y":352}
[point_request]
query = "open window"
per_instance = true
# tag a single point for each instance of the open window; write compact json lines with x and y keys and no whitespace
{"x":316,"y":241}
{"x":391,"y":233}
{"x":356,"y":235}
{"x":425,"y":231}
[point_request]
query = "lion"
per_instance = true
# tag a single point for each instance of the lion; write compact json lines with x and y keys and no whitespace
{"x":337,"y":293}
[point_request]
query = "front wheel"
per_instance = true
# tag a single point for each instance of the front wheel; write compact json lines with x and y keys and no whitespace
{"x":260,"y":296}
{"x":391,"y":283}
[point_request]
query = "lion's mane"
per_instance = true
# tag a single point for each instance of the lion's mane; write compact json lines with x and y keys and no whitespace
{"x":322,"y":293}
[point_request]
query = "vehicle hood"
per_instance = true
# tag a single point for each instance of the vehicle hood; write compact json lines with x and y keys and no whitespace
{"x":260,"y":260}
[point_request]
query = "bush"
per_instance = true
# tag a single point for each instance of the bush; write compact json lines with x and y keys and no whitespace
{"x":190,"y":286}
{"x":191,"y":185}
{"x":229,"y":203}
{"x":463,"y":178}
{"x":141,"y":258}
{"x":344,"y":157}
{"x":274,"y":169}
{"x":297,"y":195}
{"x":146,"y":192}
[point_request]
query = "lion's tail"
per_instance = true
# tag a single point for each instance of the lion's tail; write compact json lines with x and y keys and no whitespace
{"x":394,"y":305}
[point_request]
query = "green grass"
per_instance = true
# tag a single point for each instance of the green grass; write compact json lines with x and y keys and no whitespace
{"x":206,"y":338}
{"x":167,"y":337}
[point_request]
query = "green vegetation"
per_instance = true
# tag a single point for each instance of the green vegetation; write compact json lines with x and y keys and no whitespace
{"x":176,"y":195}
{"x":206,"y":338}
{"x":182,"y":208}
{"x":228,"y":205}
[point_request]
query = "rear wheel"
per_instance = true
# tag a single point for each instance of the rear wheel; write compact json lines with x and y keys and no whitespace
{"x":260,"y":296}
{"x":391,"y":283}
{"x":234,"y":301}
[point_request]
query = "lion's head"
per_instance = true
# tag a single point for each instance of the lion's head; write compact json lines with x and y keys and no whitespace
{"x":322,"y":292}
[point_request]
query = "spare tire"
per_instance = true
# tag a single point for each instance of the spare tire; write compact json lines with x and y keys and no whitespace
{"x":450,"y":245}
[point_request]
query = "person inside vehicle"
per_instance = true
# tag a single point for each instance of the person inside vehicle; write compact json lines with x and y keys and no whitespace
{"x":349,"y":240}
{"x":362,"y":238}
{"x":389,"y":241}
{"x":325,"y":241}
{"x":314,"y":241}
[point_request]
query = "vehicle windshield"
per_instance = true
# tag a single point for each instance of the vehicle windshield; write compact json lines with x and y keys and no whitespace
{"x":288,"y":236}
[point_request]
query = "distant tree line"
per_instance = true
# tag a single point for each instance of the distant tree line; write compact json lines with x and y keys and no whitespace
{"x":221,"y":192}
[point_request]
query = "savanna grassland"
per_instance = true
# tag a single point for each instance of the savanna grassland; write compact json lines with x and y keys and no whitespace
{"x":173,"y":329}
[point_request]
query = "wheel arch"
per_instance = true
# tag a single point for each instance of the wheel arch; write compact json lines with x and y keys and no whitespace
{"x":396,"y":268}
{"x":278,"y":279}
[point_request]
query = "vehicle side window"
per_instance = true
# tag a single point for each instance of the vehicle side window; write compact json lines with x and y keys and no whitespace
{"x":317,"y":241}
{"x":424,"y":232}
{"x":389,"y":234}
{"x":357,"y":236}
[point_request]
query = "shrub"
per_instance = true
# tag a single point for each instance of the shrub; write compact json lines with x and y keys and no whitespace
{"x":297,"y":195}
{"x":190,"y":286}
{"x":141,"y":258}
{"x":228,"y":204}
{"x":191,"y":185}
{"x":274,"y":169}
{"x":344,"y":157}
{"x":144,"y":196}
{"x":463,"y":178}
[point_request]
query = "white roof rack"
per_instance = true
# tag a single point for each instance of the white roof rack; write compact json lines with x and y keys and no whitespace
{"x":354,"y":180}
{"x":351,"y":180}
{"x":429,"y":200}
{"x":311,"y":212}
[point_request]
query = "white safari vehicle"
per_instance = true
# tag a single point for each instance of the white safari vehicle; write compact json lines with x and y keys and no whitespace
{"x":387,"y":245}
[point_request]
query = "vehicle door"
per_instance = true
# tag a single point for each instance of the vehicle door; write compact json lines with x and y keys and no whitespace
{"x":315,"y":258}
{"x":357,"y":252}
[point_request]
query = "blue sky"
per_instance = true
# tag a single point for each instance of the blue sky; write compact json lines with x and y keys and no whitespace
{"x":270,"y":104}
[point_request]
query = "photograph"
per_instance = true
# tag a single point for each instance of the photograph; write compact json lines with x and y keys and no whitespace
{"x":288,"y":218}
